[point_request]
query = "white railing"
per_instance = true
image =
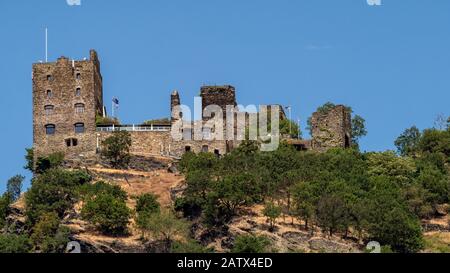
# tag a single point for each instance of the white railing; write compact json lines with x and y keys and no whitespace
{"x":134,"y":128}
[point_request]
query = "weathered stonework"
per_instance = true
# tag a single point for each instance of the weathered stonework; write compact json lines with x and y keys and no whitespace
{"x":68,"y":93}
{"x":332,"y":129}
{"x":63,"y":85}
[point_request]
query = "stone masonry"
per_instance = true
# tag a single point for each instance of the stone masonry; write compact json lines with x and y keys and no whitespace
{"x":68,"y":96}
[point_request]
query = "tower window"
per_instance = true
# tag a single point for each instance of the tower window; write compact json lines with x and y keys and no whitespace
{"x":71,"y":142}
{"x":205,"y":149}
{"x":79,"y":128}
{"x":187,"y":149}
{"x":50,"y":129}
{"x":49,"y":78}
{"x":49,"y":110}
{"x":78,"y":92}
{"x":49,"y":94}
{"x":79,"y":108}
{"x":78,"y":76}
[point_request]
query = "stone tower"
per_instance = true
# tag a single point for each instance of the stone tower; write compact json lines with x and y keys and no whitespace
{"x":67,"y":97}
{"x":221,"y":96}
{"x":331,"y":129}
{"x":174,"y":102}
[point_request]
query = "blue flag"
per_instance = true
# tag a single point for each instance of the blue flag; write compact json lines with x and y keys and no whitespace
{"x":116,"y":101}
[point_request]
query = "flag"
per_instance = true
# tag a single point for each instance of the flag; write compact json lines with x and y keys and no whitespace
{"x":116,"y":101}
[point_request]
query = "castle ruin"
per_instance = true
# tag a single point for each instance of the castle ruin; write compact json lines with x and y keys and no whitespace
{"x":68,"y":98}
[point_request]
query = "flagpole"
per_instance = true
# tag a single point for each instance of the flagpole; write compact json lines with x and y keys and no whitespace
{"x":46,"y":45}
{"x":113,"y":108}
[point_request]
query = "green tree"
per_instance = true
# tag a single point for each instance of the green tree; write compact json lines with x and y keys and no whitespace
{"x":89,"y":191}
{"x":435,"y":141}
{"x":147,"y":203}
{"x":53,"y":191}
{"x":304,"y":200}
{"x":29,"y":159}
{"x":5,"y":203}
{"x":14,"y":187}
{"x":358,"y":129}
{"x":332,"y":214}
{"x":250,"y":244}
{"x":166,"y":226}
{"x":272,"y":212}
{"x":14,"y":244}
{"x":51,"y":161}
{"x":48,"y":236}
{"x":116,"y":149}
{"x":400,"y":169}
{"x":407,"y":143}
{"x":107,"y":212}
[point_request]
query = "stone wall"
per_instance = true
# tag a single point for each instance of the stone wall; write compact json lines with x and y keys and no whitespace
{"x":331,"y":129}
{"x":55,"y":85}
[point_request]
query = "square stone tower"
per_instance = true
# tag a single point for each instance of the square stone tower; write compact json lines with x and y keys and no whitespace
{"x":67,"y":97}
{"x":332,"y":129}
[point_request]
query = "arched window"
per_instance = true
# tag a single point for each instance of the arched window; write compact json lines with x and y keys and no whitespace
{"x":49,"y":78}
{"x":50,"y":129}
{"x":78,"y":92}
{"x":205,"y":149}
{"x":79,"y":108}
{"x":49,"y":94}
{"x":78,"y":76}
{"x":79,"y":128}
{"x":49,"y":110}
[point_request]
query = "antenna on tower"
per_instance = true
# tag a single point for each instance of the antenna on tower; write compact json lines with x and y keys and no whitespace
{"x":46,"y":45}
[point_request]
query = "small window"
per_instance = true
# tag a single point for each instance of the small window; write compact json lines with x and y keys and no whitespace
{"x":78,"y":92}
{"x":187,"y":149}
{"x":49,"y":78}
{"x":79,"y":108}
{"x":49,"y":110}
{"x":50,"y":129}
{"x":49,"y":94}
{"x":205,"y":149}
{"x":217,"y":152}
{"x":71,"y":142}
{"x":78,"y":76}
{"x":79,"y":128}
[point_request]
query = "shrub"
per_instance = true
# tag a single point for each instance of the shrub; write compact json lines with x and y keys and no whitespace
{"x":116,"y":149}
{"x":147,"y":203}
{"x":250,"y":244}
{"x":48,"y":235}
{"x":272,"y":212}
{"x":89,"y":191}
{"x":49,"y":162}
{"x":110,"y":214}
{"x":14,"y":244}
{"x":53,"y":191}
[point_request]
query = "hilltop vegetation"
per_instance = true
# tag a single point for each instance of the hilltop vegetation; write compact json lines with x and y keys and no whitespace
{"x":358,"y":196}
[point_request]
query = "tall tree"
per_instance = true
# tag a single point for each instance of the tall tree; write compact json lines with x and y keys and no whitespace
{"x":14,"y":187}
{"x":407,"y":143}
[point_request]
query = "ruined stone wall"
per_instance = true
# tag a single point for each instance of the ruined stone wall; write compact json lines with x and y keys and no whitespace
{"x":218,"y":95}
{"x":332,"y":129}
{"x":55,"y":85}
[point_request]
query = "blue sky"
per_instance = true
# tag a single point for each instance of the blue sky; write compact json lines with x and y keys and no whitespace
{"x":391,"y":63}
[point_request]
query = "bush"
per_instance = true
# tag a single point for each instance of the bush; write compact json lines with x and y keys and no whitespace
{"x":89,"y":191}
{"x":110,"y":214}
{"x":14,"y":244}
{"x":116,"y":149}
{"x":49,"y":162}
{"x":14,"y":187}
{"x":53,"y":191}
{"x":272,"y":212}
{"x":48,"y":235}
{"x":5,"y":202}
{"x":250,"y":244}
{"x":147,"y":203}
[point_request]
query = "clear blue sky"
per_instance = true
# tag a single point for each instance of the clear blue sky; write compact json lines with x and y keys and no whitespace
{"x":390,"y":63}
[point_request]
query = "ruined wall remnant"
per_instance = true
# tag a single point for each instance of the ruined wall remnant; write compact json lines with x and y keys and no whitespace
{"x":221,"y":96}
{"x":331,"y":129}
{"x":67,"y":96}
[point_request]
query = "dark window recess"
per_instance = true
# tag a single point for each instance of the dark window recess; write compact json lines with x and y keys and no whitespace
{"x":217,"y":152}
{"x":50,"y":129}
{"x":78,"y":76}
{"x":205,"y":149}
{"x":187,"y":149}
{"x":49,"y":78}
{"x":79,"y":128}
{"x":49,"y":109}
{"x":49,"y":94}
{"x":79,"y":108}
{"x":78,"y":92}
{"x":71,"y":142}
